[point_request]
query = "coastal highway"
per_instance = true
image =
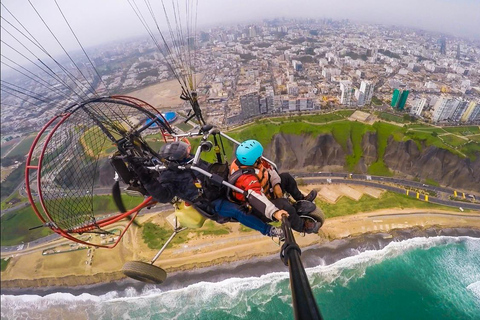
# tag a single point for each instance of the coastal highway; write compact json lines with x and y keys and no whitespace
{"x":386,"y":183}
{"x":401,"y":182}
{"x":465,"y":205}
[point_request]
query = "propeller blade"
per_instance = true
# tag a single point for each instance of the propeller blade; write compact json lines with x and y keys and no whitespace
{"x":117,"y":198}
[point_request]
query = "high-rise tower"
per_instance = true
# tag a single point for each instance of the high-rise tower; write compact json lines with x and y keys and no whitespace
{"x":443,"y":45}
{"x":403,"y":100}
{"x":395,"y":98}
{"x":366,"y":93}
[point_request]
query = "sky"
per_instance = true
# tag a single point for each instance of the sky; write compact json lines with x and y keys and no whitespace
{"x":100,"y":21}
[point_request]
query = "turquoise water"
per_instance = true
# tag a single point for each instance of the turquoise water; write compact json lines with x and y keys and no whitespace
{"x":420,"y":278}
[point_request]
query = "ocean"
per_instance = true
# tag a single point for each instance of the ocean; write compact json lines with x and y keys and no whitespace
{"x":418,"y":278}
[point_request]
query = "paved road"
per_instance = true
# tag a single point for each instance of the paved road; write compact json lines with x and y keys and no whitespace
{"x":315,"y":178}
{"x":402,"y":182}
{"x":465,"y":205}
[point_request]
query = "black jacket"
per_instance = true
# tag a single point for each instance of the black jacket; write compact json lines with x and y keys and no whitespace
{"x":170,"y":183}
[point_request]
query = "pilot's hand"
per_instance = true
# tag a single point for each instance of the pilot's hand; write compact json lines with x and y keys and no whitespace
{"x":278,"y":215}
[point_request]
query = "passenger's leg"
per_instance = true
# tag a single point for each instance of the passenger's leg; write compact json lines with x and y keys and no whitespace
{"x":290,"y":185}
{"x":296,"y":222}
{"x":229,"y":209}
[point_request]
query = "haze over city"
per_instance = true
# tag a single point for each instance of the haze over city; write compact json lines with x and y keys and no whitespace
{"x":98,"y":22}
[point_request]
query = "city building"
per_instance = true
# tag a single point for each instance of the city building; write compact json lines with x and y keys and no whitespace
{"x":365,"y":93}
{"x":292,"y":88}
{"x":347,"y":93}
{"x":475,"y":116}
{"x":250,"y":105}
{"x":418,"y":107}
{"x":399,"y":99}
{"x":459,"y":110}
{"x":444,"y":109}
{"x":297,"y":65}
{"x":443,"y":45}
{"x":439,"y":109}
{"x":395,"y":98}
{"x":403,"y":99}
{"x":472,"y":113}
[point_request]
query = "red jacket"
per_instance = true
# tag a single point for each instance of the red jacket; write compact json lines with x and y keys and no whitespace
{"x":258,"y":182}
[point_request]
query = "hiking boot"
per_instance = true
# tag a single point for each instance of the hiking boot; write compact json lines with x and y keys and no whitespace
{"x":311,"y":226}
{"x":311,"y":196}
{"x":277,"y":232}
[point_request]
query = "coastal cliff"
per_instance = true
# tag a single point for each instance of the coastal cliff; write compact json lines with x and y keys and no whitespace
{"x":308,"y":152}
{"x":431,"y":162}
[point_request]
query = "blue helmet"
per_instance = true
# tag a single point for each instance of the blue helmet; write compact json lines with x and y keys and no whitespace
{"x":248,"y":152}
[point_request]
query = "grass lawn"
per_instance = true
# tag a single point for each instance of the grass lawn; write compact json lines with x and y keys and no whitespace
{"x":14,"y":196}
{"x":379,"y":168}
{"x":6,"y":147}
{"x":475,"y":138}
{"x":346,"y":206}
{"x":4,"y":264}
{"x":23,"y":147}
{"x":155,"y":236}
{"x":432,"y":182}
{"x":12,"y":181}
{"x":183,"y":126}
{"x":425,"y":128}
{"x":345,"y":113}
{"x":429,"y":139}
{"x":454,"y":140}
{"x":471,"y":149}
{"x":376,"y":101}
{"x":465,"y":131}
{"x":356,"y":132}
{"x":15,"y":225}
{"x":320,"y":118}
{"x":95,"y":141}
{"x":391,"y":117}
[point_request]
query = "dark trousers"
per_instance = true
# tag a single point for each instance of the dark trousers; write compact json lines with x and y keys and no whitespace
{"x":295,"y":221}
{"x":289,"y":185}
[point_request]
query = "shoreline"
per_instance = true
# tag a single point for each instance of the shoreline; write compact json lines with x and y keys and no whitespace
{"x":254,"y":266}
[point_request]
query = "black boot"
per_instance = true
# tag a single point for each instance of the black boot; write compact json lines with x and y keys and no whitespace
{"x":311,"y":196}
{"x":310,"y":226}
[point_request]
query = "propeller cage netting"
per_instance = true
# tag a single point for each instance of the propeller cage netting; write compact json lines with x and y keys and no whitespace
{"x":70,"y":150}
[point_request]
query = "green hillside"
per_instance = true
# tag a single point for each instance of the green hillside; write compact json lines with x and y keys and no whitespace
{"x":462,"y":141}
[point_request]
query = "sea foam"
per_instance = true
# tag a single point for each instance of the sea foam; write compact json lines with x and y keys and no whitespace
{"x":235,"y":295}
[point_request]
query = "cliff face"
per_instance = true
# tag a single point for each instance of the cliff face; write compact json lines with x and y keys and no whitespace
{"x":300,"y":153}
{"x":297,"y":152}
{"x":438,"y":164}
{"x":369,"y":148}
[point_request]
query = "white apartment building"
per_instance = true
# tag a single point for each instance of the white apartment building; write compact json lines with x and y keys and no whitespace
{"x":418,"y":107}
{"x":347,"y":93}
{"x":444,"y":109}
{"x":366,"y":93}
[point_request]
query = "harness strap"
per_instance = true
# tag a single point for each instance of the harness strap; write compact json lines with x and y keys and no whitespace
{"x":237,"y":174}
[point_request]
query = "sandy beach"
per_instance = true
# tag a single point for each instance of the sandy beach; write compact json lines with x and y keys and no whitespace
{"x":33,"y":271}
